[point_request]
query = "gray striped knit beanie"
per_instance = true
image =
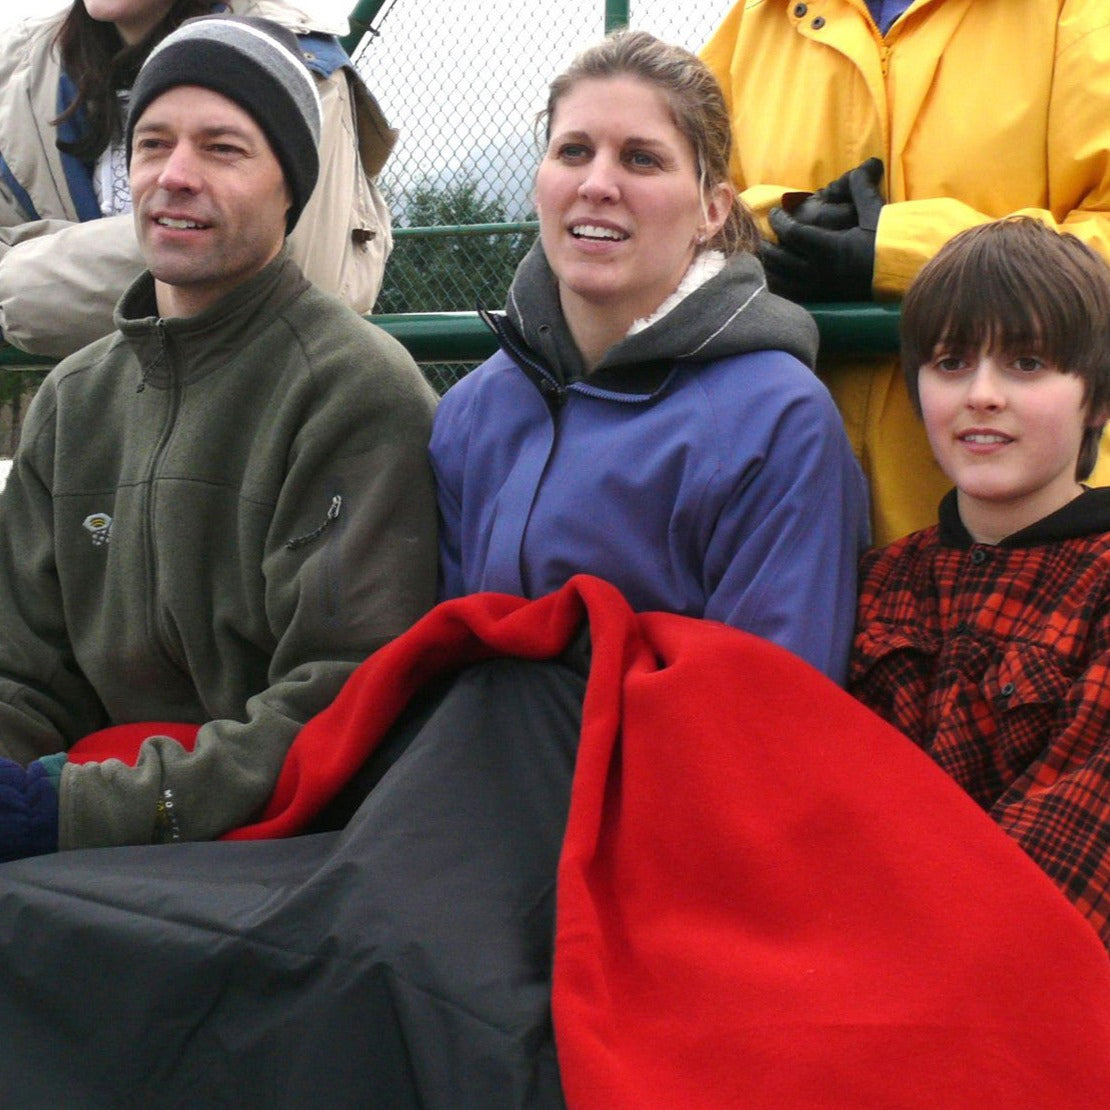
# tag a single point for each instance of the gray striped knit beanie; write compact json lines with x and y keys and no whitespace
{"x":258,"y":65}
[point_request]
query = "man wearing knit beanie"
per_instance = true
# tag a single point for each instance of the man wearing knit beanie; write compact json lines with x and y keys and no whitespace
{"x":215,"y":513}
{"x":255,"y":63}
{"x":230,"y":99}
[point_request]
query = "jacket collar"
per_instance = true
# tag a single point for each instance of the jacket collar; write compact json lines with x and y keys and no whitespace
{"x":730,"y":314}
{"x":188,"y":347}
{"x":1087,"y":514}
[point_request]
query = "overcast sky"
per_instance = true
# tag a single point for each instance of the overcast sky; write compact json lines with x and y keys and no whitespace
{"x":14,"y":12}
{"x":19,"y":9}
{"x":710,"y":10}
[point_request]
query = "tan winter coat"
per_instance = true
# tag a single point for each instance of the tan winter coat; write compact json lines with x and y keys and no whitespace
{"x":60,"y":279}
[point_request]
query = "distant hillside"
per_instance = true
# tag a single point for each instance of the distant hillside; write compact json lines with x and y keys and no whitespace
{"x":503,"y":170}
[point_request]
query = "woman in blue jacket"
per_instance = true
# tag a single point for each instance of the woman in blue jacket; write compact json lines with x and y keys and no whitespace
{"x":651,"y":417}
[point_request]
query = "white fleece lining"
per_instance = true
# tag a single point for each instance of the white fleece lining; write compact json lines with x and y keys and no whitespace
{"x":706,"y":265}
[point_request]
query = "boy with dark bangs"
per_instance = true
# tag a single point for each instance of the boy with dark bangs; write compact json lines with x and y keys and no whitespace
{"x":986,"y":638}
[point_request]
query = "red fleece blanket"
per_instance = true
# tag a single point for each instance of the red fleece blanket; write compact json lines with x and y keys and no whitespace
{"x":767,"y":897}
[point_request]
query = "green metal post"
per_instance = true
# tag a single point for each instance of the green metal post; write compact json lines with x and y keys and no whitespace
{"x":616,"y":14}
{"x":359,"y":21}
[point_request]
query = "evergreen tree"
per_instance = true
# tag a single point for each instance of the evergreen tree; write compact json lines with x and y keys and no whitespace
{"x":443,"y":273}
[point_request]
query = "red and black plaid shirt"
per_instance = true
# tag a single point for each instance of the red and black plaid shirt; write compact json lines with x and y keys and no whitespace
{"x":996,"y":661}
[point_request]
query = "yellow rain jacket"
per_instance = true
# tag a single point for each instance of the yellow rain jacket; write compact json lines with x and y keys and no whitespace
{"x":978,"y":108}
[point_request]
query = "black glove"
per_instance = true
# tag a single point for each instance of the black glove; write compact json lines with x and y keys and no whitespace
{"x":816,"y":260}
{"x":830,"y":207}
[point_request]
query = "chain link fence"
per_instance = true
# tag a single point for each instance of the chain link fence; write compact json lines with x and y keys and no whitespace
{"x":463,"y":82}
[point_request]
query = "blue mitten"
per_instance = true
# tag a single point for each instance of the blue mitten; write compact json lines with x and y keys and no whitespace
{"x":28,"y":810}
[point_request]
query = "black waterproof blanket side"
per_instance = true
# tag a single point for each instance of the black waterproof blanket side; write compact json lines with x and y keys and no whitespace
{"x":402,"y":961}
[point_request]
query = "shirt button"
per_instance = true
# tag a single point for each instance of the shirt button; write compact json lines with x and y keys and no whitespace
{"x":818,"y":23}
{"x":1007,"y":689}
{"x":978,"y":556}
{"x":800,"y":10}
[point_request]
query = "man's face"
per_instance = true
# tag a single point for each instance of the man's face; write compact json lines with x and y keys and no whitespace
{"x":209,"y":196}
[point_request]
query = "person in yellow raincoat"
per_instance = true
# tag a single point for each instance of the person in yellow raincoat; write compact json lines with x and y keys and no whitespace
{"x":909,"y":122}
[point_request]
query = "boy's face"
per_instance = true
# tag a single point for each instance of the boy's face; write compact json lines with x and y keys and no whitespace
{"x":1006,"y":428}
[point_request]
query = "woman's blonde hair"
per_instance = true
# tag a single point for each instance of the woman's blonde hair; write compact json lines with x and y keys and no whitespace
{"x":697,"y":107}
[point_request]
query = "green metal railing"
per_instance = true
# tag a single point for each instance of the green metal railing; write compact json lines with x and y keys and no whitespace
{"x":441,"y":337}
{"x":448,"y":344}
{"x":464,"y":229}
{"x":360,"y":21}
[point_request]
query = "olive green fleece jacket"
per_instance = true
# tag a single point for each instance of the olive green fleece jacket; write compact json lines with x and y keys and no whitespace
{"x":212,"y":520}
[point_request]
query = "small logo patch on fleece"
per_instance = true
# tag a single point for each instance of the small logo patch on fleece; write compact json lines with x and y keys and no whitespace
{"x":100,"y":525}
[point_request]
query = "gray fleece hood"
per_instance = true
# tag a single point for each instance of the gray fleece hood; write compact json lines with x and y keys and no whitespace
{"x":730,"y":314}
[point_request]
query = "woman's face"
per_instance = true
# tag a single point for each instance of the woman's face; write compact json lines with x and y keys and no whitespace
{"x":621,"y":213}
{"x":134,"y":19}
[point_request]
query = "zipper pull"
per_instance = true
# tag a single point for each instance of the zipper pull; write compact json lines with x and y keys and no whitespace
{"x":329,"y":517}
{"x":554,"y":393}
{"x":163,"y":353}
